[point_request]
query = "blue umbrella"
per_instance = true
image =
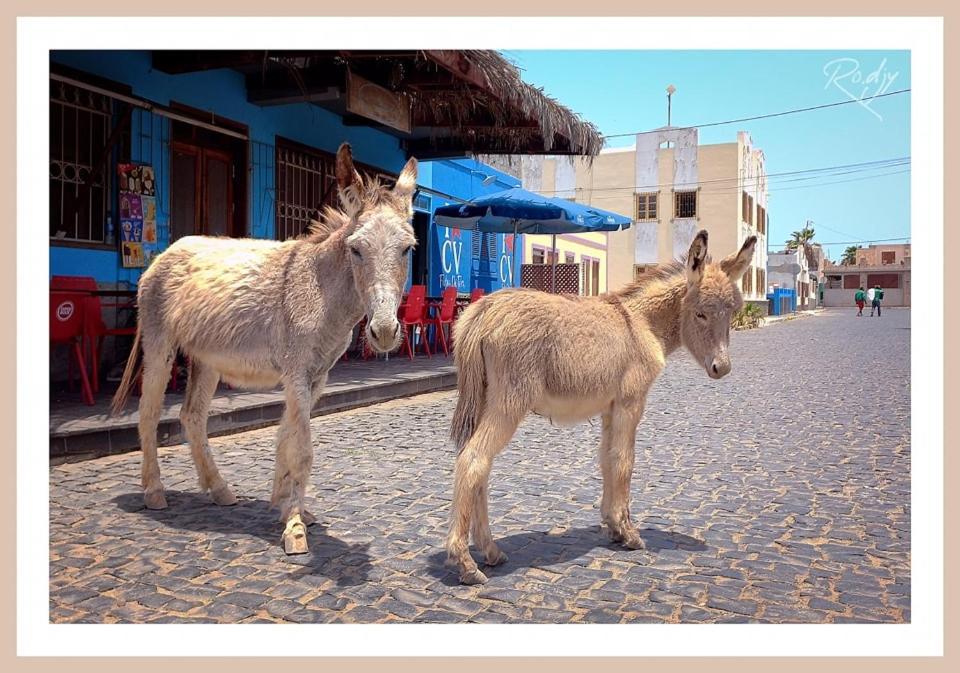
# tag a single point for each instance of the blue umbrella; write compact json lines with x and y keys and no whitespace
{"x":519,"y":211}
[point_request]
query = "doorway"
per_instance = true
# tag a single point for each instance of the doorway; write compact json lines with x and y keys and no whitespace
{"x":207,"y":192}
{"x":421,"y":253}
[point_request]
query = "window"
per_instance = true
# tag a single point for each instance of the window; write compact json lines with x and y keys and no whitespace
{"x":834,"y":282}
{"x":761,"y":281}
{"x":571,"y":258}
{"x":647,"y":206}
{"x":484,"y":245}
{"x":590,"y":276}
{"x":81,"y":174}
{"x":640,"y":269}
{"x":538,"y":256}
{"x":746,"y":282}
{"x":746,"y":205}
{"x":851,"y":281}
{"x":761,"y":219}
{"x":888,"y":257}
{"x":684,"y":204}
{"x":884,"y":280}
{"x":305,"y":183}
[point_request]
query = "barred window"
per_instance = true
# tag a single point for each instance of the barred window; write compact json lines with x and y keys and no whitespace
{"x":81,"y":122}
{"x":685,"y":204}
{"x":305,"y":183}
{"x":647,"y":206}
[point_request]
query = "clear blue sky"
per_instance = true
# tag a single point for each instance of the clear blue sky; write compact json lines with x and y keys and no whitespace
{"x":624,"y":91}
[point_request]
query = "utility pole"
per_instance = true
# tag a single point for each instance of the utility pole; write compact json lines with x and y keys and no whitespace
{"x":670,"y":91}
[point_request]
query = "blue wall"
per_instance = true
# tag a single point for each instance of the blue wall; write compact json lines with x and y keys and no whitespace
{"x":451,"y":260}
{"x":223,"y":92}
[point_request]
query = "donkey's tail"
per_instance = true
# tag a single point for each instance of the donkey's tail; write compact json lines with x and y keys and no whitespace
{"x":130,"y":373}
{"x":471,"y":376}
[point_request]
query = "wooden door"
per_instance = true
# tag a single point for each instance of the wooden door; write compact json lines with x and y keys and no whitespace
{"x":201,"y":189}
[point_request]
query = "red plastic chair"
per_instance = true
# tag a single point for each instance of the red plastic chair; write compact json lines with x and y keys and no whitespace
{"x":444,"y":314}
{"x":94,"y":329}
{"x":413,"y":315}
{"x":67,"y":320}
{"x":476,"y":293}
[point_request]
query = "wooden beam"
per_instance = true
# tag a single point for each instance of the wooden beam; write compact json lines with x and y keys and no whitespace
{"x":426,"y":148}
{"x":176,"y":62}
{"x":456,"y":63}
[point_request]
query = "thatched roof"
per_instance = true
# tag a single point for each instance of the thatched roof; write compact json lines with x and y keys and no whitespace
{"x":460,"y":101}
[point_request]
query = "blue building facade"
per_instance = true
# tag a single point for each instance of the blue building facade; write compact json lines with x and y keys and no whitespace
{"x":152,"y":137}
{"x":462,"y":258}
{"x":274,"y":148}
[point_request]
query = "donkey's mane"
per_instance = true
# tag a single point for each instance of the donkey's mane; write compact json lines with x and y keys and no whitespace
{"x":364,"y":193}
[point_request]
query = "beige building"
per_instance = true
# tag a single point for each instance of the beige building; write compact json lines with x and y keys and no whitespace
{"x":884,"y":255}
{"x":672,"y":186}
{"x":885,"y":265}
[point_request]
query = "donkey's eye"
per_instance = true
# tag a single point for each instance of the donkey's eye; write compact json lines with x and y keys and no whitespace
{"x":356,"y":253}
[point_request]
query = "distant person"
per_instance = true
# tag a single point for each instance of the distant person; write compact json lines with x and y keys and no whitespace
{"x":861,"y":299}
{"x":877,"y":298}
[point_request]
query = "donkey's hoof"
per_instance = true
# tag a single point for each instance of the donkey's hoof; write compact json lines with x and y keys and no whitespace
{"x":295,"y":537}
{"x":223,"y":496}
{"x":475,"y":577}
{"x":496,"y":558}
{"x":154,"y":500}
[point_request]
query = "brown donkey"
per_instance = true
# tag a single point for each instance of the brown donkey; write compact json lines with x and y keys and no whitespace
{"x":522,"y":350}
{"x":257,"y":313}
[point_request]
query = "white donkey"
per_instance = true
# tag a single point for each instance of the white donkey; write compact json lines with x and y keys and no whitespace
{"x":257,"y":313}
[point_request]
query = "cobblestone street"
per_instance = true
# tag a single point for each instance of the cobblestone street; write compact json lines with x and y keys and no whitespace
{"x":778,"y":494}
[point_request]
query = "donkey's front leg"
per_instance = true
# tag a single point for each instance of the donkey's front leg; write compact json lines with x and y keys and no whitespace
{"x":618,"y":472}
{"x":294,"y":460}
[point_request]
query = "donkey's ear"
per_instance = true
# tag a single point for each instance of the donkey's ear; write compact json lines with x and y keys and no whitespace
{"x":734,"y":265}
{"x":407,"y":182}
{"x":697,"y":258}
{"x":346,"y":174}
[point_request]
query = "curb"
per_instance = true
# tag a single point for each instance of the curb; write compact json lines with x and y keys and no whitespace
{"x":121,"y":438}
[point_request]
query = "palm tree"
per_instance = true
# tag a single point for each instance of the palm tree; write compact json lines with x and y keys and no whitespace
{"x":802,"y":237}
{"x":849,"y":256}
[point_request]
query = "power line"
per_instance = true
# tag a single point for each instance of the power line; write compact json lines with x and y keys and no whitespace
{"x":835,"y":169}
{"x":763,"y":116}
{"x":866,"y":240}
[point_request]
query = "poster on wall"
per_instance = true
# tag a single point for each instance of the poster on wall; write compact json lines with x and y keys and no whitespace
{"x":138,"y":213}
{"x":149,"y":219}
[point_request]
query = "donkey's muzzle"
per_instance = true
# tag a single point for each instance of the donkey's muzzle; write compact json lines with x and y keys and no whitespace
{"x":384,"y":335}
{"x":719,"y":367}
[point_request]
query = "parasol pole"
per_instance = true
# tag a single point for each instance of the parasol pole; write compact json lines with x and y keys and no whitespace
{"x":553,"y":281}
{"x":513,"y":261}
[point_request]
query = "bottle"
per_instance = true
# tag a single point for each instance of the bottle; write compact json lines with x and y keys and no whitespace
{"x":110,"y":240}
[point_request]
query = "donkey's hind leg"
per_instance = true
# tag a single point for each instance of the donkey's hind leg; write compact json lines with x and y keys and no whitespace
{"x":621,"y":451}
{"x":480,"y":527}
{"x":471,"y":473}
{"x":201,"y":385}
{"x":157,"y":359}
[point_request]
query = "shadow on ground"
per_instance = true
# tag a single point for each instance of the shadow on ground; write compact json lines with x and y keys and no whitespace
{"x":347,"y":564}
{"x":542,"y":550}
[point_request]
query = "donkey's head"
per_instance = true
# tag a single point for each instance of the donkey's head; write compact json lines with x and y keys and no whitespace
{"x":711,"y":299}
{"x":379,"y":240}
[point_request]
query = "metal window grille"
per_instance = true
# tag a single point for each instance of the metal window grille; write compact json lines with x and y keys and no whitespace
{"x":685,"y":204}
{"x":305,"y":183}
{"x":80,"y":125}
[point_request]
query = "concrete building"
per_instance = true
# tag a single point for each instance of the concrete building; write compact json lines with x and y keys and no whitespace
{"x":672,"y":186}
{"x":556,"y":176}
{"x":790,"y":269}
{"x":884,"y":255}
{"x":842,"y":281}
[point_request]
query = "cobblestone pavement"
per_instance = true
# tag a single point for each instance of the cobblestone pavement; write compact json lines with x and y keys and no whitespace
{"x":778,"y":494}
